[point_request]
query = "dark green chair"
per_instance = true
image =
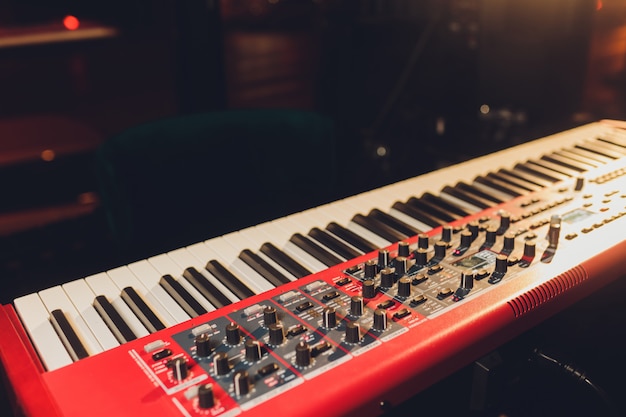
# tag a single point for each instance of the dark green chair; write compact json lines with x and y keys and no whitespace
{"x":177,"y":181}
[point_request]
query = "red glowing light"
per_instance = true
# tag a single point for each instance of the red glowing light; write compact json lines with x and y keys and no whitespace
{"x":71,"y":22}
{"x":599,"y":5}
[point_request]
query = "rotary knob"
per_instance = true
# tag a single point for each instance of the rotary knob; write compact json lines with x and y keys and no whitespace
{"x":269,"y":316}
{"x":253,"y":350}
{"x":505,"y":222}
{"x":529,"y":249}
{"x":369,"y":289}
{"x":233,"y":334}
{"x":386,"y":278}
{"x":303,"y":354}
{"x":221,"y":364}
{"x":422,"y":241}
{"x":554,"y":231}
{"x":490,"y":236}
{"x":356,"y":305}
{"x":404,"y":287}
{"x":203,"y":345}
{"x":277,"y":334}
{"x":206,"y":399}
{"x":400,"y":264}
{"x":370,"y":269}
{"x":440,"y":249}
{"x":466,"y":239}
{"x":403,"y":249}
{"x":501,"y":264}
{"x":179,"y":368}
{"x":241,"y":383}
{"x":473,"y":228}
{"x":446,"y":233}
{"x":353,"y":332}
{"x":380,"y":320}
{"x":509,"y":242}
{"x":421,"y":256}
{"x":383,"y":258}
{"x":329,"y":318}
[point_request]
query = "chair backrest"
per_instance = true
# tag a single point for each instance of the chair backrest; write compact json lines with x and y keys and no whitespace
{"x":189,"y":178}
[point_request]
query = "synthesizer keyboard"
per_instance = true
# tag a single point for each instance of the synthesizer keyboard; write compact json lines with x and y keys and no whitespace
{"x":380,"y":294}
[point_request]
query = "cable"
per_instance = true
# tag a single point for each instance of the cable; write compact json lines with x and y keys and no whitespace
{"x":579,"y":376}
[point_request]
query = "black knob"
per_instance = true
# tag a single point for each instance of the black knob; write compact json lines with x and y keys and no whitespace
{"x":505,"y":222}
{"x":233,"y":334}
{"x":473,"y":228}
{"x":303,"y":354}
{"x":403,"y":249}
{"x":179,"y":368}
{"x":422,"y":241}
{"x":206,"y":399}
{"x":369,"y":289}
{"x":554,"y":231}
{"x":387,"y":278}
{"x":529,"y":249}
{"x":446,"y":233}
{"x":509,"y":242}
{"x":383,"y":258}
{"x":380,"y":319}
{"x":501,"y":264}
{"x":356,"y":305}
{"x":241,"y":383}
{"x":400,"y":265}
{"x":253,"y":350}
{"x":404,"y":287}
{"x":353,"y":332}
{"x":277,"y":334}
{"x":221,"y":364}
{"x":490,"y":236}
{"x":269,"y":316}
{"x":421,"y":256}
{"x":370,"y":269}
{"x":329,"y":318}
{"x":580,"y":183}
{"x":466,"y":238}
{"x":440,"y":249}
{"x":467,"y":281}
{"x":203,"y":345}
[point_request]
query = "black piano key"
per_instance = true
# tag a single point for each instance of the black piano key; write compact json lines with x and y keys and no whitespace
{"x":499,"y":185}
{"x":462,"y":195}
{"x":588,"y":154}
{"x":143,"y":312}
{"x":599,"y":150}
{"x":446,"y":205}
{"x":206,"y":288}
{"x":535,"y":166}
{"x":555,"y":167}
{"x":437,"y":213}
{"x":527,"y":176}
{"x":334,"y":244}
{"x":229,"y":280}
{"x":315,"y":250}
{"x":113,"y":320}
{"x":284,"y":260}
{"x":487,"y":198}
{"x":569,"y":156}
{"x":613,"y":139}
{"x":378,"y":228}
{"x":537,"y":171}
{"x":352,"y":238}
{"x":264,"y":269}
{"x":568,"y":163}
{"x":394,"y":223}
{"x":510,"y":185}
{"x":185,"y":300}
{"x":518,"y":182}
{"x":68,"y":335}
{"x":418,"y":214}
{"x":619,"y":150}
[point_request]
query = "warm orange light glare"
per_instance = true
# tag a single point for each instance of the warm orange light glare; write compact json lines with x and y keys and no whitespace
{"x":71,"y":22}
{"x":598,"y":4}
{"x":48,"y":155}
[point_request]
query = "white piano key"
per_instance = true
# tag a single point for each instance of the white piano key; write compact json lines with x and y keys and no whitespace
{"x":36,"y":320}
{"x":194,"y":256}
{"x":82,"y":297}
{"x":166,"y":266}
{"x":101,"y":284}
{"x":150,"y":277}
{"x":55,"y":298}
{"x":123,"y":277}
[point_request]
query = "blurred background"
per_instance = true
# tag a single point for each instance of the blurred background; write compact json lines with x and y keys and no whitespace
{"x":411,"y":86}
